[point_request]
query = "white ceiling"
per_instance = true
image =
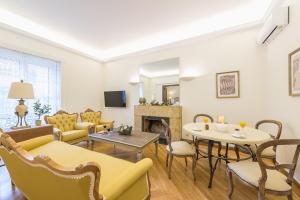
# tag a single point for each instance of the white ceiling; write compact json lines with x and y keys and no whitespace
{"x":116,"y":27}
{"x":160,"y":68}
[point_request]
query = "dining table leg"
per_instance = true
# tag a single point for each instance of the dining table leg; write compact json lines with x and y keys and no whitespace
{"x":209,"y":155}
{"x":226,"y":153}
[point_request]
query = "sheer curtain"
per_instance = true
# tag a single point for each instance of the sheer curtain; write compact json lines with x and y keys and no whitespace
{"x":42,"y":73}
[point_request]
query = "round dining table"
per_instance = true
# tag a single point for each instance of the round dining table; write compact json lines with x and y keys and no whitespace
{"x":227,"y":134}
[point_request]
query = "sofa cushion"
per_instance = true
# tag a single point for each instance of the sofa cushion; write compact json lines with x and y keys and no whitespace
{"x":74,"y":134}
{"x":72,"y":156}
{"x":36,"y":142}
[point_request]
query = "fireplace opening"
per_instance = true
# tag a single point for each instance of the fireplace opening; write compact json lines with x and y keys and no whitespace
{"x":153,"y":124}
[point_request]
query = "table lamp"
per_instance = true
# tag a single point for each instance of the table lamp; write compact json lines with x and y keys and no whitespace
{"x":21,"y":91}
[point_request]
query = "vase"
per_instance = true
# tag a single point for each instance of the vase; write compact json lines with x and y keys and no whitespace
{"x":38,"y":122}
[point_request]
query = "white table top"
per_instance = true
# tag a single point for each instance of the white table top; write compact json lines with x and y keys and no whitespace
{"x":252,"y":136}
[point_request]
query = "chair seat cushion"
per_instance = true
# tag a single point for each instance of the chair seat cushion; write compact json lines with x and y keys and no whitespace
{"x":100,"y":128}
{"x":268,"y":152}
{"x":181,"y":148}
{"x":250,"y":173}
{"x":74,"y":134}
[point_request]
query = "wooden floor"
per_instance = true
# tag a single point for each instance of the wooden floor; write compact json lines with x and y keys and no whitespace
{"x":180,"y":187}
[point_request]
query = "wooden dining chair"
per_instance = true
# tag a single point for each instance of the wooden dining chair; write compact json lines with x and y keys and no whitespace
{"x":201,"y":116}
{"x":180,"y":149}
{"x":197,"y":141}
{"x":270,"y":152}
{"x":266,"y":178}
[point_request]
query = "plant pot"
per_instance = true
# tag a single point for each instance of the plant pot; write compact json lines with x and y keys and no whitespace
{"x":38,"y":122}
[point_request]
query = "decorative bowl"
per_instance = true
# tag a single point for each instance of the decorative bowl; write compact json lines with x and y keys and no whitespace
{"x":222,"y":127}
{"x":124,"y":130}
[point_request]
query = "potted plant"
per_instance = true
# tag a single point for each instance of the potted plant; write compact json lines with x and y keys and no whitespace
{"x":40,"y":110}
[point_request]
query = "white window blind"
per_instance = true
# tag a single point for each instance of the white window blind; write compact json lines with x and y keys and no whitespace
{"x":42,"y":73}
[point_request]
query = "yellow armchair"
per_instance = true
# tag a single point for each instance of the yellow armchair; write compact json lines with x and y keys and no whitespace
{"x":66,"y":127}
{"x":93,"y":117}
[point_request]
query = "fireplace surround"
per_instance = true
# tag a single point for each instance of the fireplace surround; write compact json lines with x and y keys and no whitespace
{"x":148,"y":118}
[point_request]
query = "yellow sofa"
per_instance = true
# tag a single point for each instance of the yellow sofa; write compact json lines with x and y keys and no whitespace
{"x":94,"y":118}
{"x":46,"y":169}
{"x":66,"y":127}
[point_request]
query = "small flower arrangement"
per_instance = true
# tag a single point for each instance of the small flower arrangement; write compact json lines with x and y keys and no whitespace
{"x":125,"y":130}
{"x":40,"y":110}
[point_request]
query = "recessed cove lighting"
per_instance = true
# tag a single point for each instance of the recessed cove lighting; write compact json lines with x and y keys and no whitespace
{"x":250,"y":14}
{"x":24,"y":25}
{"x":159,"y":74}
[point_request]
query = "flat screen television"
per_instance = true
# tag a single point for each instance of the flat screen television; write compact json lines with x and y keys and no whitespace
{"x":115,"y":98}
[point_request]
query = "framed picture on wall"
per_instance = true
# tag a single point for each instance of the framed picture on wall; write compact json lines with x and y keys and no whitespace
{"x":228,"y":84}
{"x":294,"y":73}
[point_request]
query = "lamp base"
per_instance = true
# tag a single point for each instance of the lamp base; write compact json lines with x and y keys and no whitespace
{"x":21,"y":112}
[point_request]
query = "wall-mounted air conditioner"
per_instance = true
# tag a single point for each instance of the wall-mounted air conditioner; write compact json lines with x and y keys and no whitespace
{"x":274,"y":24}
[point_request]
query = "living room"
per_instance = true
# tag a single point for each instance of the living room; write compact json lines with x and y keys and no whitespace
{"x":139,"y":71}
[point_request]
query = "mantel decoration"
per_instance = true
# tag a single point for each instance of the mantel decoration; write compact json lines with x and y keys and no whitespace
{"x":228,"y":84}
{"x":125,"y":130}
{"x":142,"y":101}
{"x":294,"y":73}
{"x":40,"y":110}
{"x":21,"y":91}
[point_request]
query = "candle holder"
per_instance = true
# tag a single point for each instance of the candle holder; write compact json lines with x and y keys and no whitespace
{"x":206,"y":127}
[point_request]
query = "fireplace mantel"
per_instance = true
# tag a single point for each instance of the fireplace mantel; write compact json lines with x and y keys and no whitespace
{"x":174,"y":113}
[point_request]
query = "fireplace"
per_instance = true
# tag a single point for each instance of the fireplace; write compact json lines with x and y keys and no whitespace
{"x":144,"y":114}
{"x":153,"y":124}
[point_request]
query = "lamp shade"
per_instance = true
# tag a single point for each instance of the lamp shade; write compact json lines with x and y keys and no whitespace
{"x":20,"y":90}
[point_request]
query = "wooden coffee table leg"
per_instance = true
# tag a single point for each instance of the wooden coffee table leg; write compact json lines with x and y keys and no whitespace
{"x":156,"y":148}
{"x":92,"y":144}
{"x":139,"y":154}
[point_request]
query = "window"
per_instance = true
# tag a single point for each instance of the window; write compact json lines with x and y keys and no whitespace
{"x":42,"y":73}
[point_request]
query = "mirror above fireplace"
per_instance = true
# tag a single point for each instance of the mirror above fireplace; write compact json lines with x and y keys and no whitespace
{"x":159,"y":81}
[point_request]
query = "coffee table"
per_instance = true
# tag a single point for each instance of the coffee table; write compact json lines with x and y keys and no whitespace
{"x":137,"y":140}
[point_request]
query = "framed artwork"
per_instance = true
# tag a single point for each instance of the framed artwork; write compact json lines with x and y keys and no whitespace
{"x":228,"y":84}
{"x":294,"y":73}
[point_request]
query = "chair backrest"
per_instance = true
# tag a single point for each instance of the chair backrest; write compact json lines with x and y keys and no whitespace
{"x":91,"y":116}
{"x":278,"y":124}
{"x":41,"y":178}
{"x":203,"y":116}
{"x":62,"y":120}
{"x":167,"y":133}
{"x":290,"y":166}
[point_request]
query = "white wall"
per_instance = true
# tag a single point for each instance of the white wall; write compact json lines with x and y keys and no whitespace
{"x":82,"y":78}
{"x":279,"y":104}
{"x":146,"y":87}
{"x":234,"y":51}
